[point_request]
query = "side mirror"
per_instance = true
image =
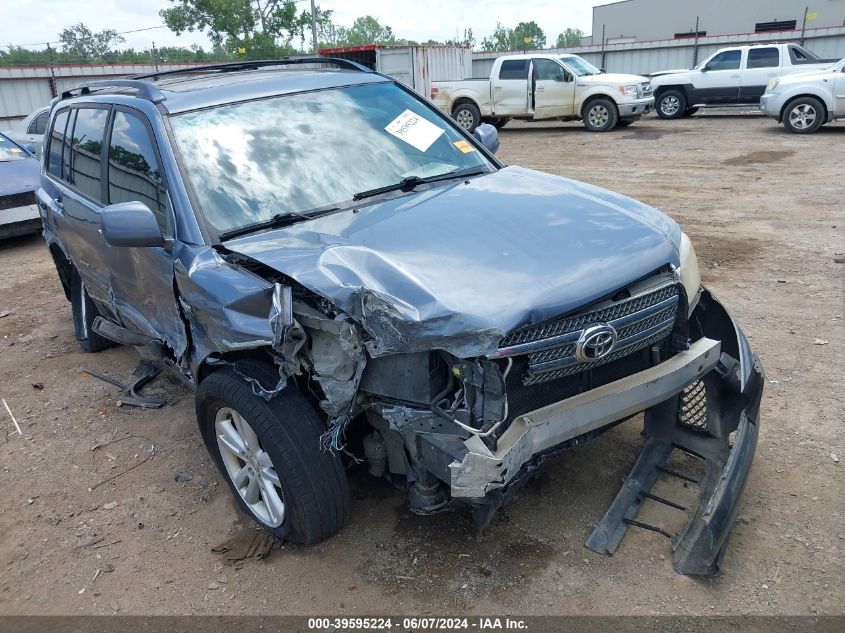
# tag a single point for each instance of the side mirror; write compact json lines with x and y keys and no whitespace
{"x":130,"y":224}
{"x":488,"y":136}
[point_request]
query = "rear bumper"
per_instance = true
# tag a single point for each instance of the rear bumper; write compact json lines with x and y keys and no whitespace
{"x":636,"y":109}
{"x":19,"y":221}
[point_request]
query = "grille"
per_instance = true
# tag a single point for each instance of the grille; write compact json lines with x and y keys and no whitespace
{"x":549,"y":348}
{"x":17,"y":200}
{"x":693,"y":407}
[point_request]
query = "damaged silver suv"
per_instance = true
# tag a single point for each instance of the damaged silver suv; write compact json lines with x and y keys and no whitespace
{"x":342,"y":274}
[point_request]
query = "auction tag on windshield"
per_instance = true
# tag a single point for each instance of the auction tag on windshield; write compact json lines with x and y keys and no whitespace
{"x":414,"y":130}
{"x":465,"y":147}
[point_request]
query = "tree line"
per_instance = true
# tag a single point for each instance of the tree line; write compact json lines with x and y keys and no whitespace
{"x":254,"y":29}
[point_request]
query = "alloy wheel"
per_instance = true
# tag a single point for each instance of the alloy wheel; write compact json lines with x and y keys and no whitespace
{"x":598,"y":115}
{"x":670,"y":105}
{"x":249,"y":467}
{"x":802,"y":116}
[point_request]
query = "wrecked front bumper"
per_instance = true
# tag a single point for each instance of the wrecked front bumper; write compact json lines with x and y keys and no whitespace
{"x":726,"y":376}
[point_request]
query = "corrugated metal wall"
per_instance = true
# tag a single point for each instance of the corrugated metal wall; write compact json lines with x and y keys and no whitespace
{"x":418,"y":66}
{"x":641,"y":58}
{"x":27,"y":88}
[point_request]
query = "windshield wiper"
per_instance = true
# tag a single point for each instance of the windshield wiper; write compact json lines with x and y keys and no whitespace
{"x":278,"y":221}
{"x":408,"y":183}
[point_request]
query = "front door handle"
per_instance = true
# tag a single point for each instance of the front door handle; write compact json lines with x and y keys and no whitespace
{"x":497,"y":87}
{"x":539,"y":88}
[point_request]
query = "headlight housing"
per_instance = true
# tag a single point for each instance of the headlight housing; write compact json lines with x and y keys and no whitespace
{"x":690,"y":276}
{"x":628,"y":91}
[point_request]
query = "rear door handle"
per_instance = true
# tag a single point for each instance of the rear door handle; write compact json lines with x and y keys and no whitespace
{"x":539,"y":88}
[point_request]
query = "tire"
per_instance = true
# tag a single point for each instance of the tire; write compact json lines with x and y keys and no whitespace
{"x":84,"y":312}
{"x":623,"y":123}
{"x":499,"y":123}
{"x":282,"y":441}
{"x":690,"y":111}
{"x":467,"y":116}
{"x":600,"y":115}
{"x":671,"y":104}
{"x":803,"y":115}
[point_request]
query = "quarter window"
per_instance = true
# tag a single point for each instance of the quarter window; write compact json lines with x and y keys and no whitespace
{"x":729,"y":60}
{"x":39,"y":123}
{"x":57,"y":137}
{"x":514,"y":69}
{"x":134,"y":169}
{"x":88,"y":133}
{"x":763,"y":57}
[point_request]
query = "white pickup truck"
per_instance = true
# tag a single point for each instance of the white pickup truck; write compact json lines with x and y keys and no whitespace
{"x":544,"y":87}
{"x":731,"y":76}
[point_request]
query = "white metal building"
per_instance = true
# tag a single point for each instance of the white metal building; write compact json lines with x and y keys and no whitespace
{"x":641,"y":20}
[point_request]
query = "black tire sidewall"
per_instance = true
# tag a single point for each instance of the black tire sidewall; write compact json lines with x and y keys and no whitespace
{"x":469,"y":107}
{"x":820,"y":114}
{"x":88,"y":340}
{"x":612,"y":119}
{"x":682,"y":104}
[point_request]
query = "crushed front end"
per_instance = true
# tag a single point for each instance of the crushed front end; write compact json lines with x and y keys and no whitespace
{"x":475,"y":429}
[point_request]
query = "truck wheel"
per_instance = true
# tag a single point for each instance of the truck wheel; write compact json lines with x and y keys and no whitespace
{"x":671,"y":104}
{"x":499,"y":122}
{"x":467,"y":116}
{"x":84,"y":312}
{"x":803,"y":115}
{"x":271,"y":455}
{"x":690,"y":111}
{"x":600,"y":115}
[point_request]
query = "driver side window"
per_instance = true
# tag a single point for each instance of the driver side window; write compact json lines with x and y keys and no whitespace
{"x":547,"y":70}
{"x":729,"y":60}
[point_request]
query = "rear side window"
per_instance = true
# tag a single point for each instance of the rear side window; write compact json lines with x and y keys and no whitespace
{"x":729,"y":60}
{"x":134,"y":169}
{"x":88,"y":133}
{"x":39,"y":124}
{"x":763,"y":57}
{"x":57,"y":137}
{"x":514,"y":69}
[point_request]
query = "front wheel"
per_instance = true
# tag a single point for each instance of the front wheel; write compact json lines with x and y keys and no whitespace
{"x":600,"y":115}
{"x":271,"y":455}
{"x":467,"y":116}
{"x":803,"y":115}
{"x":690,"y":111}
{"x":671,"y":104}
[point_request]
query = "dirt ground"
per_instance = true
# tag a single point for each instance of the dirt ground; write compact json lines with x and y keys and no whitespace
{"x":106,"y":509}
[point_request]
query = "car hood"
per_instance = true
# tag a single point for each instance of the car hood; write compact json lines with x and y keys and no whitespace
{"x":457,"y":267}
{"x":611,"y":79}
{"x":19,"y":176}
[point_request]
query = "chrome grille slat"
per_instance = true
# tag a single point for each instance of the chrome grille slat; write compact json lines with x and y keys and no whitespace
{"x":549,"y":348}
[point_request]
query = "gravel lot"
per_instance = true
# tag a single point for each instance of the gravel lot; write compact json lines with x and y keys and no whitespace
{"x":162,"y":534}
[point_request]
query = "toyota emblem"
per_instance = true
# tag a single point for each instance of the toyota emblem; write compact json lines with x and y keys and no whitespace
{"x":595,"y":342}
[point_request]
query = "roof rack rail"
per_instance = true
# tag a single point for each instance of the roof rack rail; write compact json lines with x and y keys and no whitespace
{"x":145,"y":89}
{"x":262,"y":63}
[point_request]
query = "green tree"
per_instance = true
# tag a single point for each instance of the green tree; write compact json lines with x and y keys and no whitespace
{"x":263,"y":27}
{"x":500,"y":40}
{"x":79,"y":41}
{"x":467,"y":40}
{"x":368,"y":30}
{"x":528,"y":35}
{"x":570,"y":38}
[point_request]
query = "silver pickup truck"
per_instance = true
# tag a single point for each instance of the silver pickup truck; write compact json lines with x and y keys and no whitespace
{"x":545,"y":87}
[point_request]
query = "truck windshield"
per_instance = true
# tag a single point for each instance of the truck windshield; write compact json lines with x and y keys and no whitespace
{"x":580,"y":66}
{"x":250,"y":162}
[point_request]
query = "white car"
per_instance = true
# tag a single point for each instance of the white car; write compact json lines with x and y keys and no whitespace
{"x":545,"y":87}
{"x":31,"y":130}
{"x":731,"y":76}
{"x":806,"y":101}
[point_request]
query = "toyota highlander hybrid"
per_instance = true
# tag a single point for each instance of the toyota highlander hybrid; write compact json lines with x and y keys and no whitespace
{"x":343,"y":274}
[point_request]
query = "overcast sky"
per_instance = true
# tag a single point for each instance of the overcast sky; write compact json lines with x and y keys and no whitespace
{"x":28,"y":22}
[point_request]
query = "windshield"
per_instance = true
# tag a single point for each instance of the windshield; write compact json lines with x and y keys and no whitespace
{"x":10,"y":151}
{"x":580,"y":66}
{"x":251,"y":161}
